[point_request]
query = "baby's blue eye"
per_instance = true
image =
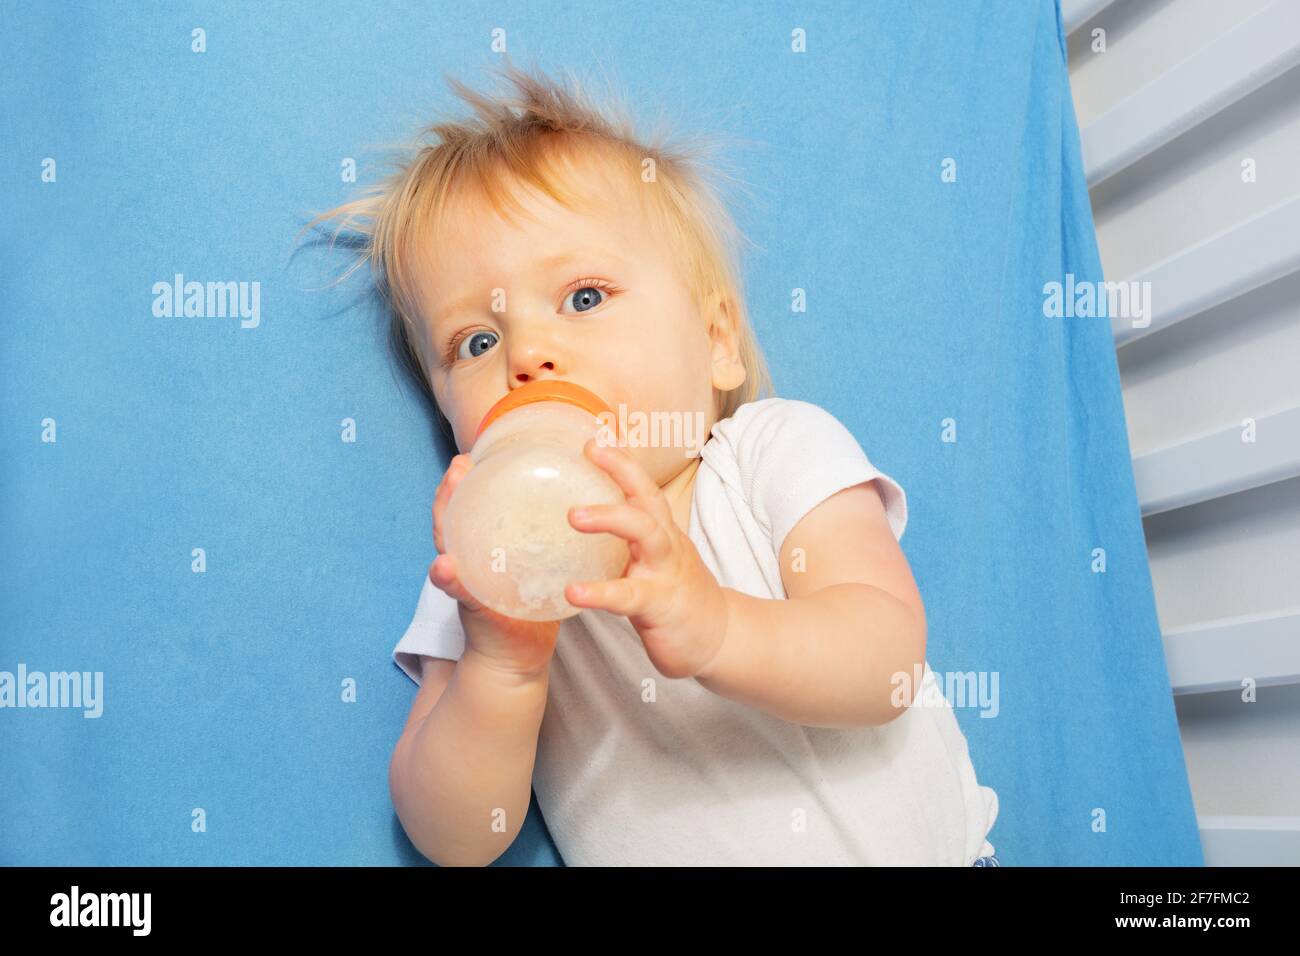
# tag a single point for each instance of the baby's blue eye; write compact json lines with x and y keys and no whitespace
{"x":586,"y":298}
{"x":477,"y":344}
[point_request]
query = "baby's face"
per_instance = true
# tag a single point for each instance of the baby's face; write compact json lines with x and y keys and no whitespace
{"x":588,"y":297}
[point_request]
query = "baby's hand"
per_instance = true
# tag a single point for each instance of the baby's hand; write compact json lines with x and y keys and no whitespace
{"x":667,"y":592}
{"x":519,"y":648}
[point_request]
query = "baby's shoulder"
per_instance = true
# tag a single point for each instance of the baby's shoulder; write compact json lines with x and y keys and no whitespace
{"x":772,"y":418}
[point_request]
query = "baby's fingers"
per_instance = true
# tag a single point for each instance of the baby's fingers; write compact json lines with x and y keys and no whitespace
{"x":455,"y":471}
{"x":444,"y":576}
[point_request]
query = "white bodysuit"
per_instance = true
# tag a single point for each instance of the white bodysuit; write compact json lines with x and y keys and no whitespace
{"x":634,"y":768}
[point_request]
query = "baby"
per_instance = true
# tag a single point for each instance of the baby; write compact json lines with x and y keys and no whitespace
{"x":753,"y":689}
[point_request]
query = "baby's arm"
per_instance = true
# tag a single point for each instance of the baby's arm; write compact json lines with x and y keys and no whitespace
{"x":827,"y":656}
{"x":461,"y":774}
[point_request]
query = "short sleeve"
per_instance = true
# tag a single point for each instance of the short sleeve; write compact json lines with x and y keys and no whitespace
{"x":434,"y":631}
{"x":792,"y":455}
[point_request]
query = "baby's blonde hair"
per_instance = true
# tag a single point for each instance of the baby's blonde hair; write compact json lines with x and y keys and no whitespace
{"x":527,"y":134}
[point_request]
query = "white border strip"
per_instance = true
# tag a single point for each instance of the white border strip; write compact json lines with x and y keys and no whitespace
{"x":1222,"y":267}
{"x":1075,"y":13}
{"x":1219,"y":655}
{"x":1257,"y":50}
{"x":1219,"y":463}
{"x":1250,"y":841}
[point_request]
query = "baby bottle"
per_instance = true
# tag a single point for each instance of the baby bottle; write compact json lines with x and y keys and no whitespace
{"x":507,"y":522}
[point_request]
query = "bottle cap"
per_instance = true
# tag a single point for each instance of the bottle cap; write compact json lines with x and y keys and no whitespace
{"x":545,"y":390}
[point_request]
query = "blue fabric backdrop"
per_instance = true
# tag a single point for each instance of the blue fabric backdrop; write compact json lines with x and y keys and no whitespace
{"x":225,"y":690}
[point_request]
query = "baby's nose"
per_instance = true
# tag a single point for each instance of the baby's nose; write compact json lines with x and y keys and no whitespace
{"x":539,"y":369}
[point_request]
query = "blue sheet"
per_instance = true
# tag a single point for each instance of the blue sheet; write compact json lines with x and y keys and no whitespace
{"x":225,"y":694}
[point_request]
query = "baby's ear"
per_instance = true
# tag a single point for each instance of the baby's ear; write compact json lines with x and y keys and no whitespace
{"x":728,"y":369}
{"x":720,"y":314}
{"x":728,"y":374}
